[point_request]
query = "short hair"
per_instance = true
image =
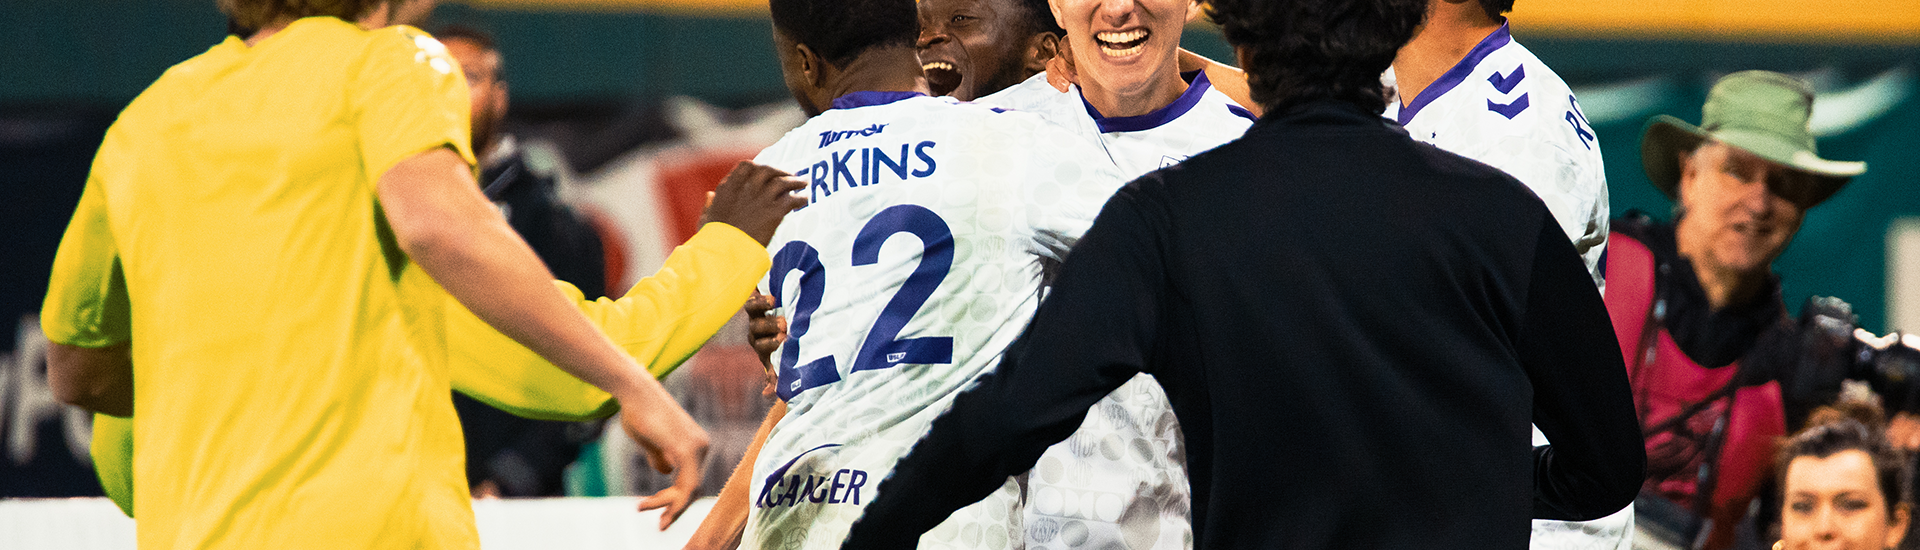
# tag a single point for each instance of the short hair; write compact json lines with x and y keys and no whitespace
{"x":840,"y":30}
{"x":1303,"y":50}
{"x":1039,"y":17}
{"x":258,"y":14}
{"x":1496,"y":7}
{"x":1831,"y":431}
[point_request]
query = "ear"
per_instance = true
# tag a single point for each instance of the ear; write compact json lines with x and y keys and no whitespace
{"x":1058,"y":19}
{"x":1041,"y":47}
{"x":1194,"y":11}
{"x":811,"y":66}
{"x":1897,"y":530}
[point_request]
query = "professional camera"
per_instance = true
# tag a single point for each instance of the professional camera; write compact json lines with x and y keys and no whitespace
{"x":1828,"y":347}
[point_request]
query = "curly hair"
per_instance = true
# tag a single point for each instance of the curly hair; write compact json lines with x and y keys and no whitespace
{"x":840,"y":30}
{"x":1831,"y":430}
{"x":258,"y":14}
{"x":1304,"y":50}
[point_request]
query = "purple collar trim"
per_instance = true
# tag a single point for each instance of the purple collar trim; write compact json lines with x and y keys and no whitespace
{"x":1196,"y":87}
{"x":1458,"y":73}
{"x":868,"y":99}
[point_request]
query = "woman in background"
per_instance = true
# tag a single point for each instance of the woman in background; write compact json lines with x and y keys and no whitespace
{"x":1842,"y":485}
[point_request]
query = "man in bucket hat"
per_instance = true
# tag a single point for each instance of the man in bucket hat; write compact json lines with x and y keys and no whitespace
{"x":1697,"y":308}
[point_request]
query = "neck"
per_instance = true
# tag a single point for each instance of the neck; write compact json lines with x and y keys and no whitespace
{"x":271,"y":29}
{"x":1450,"y":32}
{"x":1727,"y":288}
{"x":1724,"y":286}
{"x":894,"y":69}
{"x":1157,"y":92}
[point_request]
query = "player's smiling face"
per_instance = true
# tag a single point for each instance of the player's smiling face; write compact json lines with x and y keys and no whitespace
{"x":972,"y":48}
{"x":1123,"y":45}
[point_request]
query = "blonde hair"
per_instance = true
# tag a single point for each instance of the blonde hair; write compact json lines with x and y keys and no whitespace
{"x":257,"y":14}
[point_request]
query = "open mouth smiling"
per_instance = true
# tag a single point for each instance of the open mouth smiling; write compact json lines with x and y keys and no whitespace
{"x":942,"y":77}
{"x":1121,"y":44}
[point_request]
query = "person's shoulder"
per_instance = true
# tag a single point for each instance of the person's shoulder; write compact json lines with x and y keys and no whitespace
{"x":1030,"y":94}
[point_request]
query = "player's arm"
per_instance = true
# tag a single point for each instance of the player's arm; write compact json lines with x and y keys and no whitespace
{"x":727,"y":520}
{"x":660,"y":322}
{"x":1090,"y":336}
{"x":1581,"y":400}
{"x":86,"y":314}
{"x":440,"y":219}
{"x":1228,"y":79}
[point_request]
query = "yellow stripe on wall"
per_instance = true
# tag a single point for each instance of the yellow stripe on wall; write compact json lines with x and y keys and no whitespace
{"x":702,"y":8}
{"x":1870,"y":21}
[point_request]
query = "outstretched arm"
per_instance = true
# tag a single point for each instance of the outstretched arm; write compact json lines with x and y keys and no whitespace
{"x":443,"y":223}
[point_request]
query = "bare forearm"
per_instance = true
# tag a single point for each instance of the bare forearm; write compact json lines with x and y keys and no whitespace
{"x":443,"y":223}
{"x":96,"y":379}
{"x":727,"y":521}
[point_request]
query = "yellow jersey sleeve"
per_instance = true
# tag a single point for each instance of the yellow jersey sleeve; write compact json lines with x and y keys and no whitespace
{"x":86,"y":303}
{"x":409,"y":97}
{"x":660,"y":322}
{"x":112,"y":451}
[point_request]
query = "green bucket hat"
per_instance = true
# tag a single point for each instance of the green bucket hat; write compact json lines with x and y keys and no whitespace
{"x":1760,"y":112}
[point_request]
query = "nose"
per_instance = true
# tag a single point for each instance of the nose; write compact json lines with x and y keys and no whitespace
{"x":1757,"y":198}
{"x":931,"y":34}
{"x":1116,"y":12}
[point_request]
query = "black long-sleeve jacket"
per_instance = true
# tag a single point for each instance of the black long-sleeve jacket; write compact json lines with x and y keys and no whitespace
{"x":1354,"y":329}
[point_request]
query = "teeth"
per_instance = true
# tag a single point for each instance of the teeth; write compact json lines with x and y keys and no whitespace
{"x":937,"y":65}
{"x":1128,"y":36}
{"x":1121,"y":53}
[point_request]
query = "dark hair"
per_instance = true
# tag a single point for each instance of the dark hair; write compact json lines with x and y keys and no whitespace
{"x":1844,"y":427}
{"x":840,"y":30}
{"x":258,"y":14}
{"x":1496,"y":7}
{"x":478,"y":37}
{"x":1304,"y":50}
{"x":1039,"y":17}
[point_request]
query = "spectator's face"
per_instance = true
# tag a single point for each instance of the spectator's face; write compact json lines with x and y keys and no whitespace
{"x":1122,"y":45}
{"x":1734,"y":220}
{"x":1836,"y":503}
{"x":489,"y":93}
{"x":972,"y":48}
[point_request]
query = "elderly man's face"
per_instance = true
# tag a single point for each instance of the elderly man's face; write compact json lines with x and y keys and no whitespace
{"x":1735,"y":218}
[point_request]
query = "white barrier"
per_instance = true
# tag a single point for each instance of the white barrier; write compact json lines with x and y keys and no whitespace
{"x":505,"y":524}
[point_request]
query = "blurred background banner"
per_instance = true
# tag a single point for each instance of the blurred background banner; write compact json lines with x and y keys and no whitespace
{"x":642,"y":105}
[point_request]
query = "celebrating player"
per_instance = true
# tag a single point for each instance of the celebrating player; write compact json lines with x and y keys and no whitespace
{"x":904,"y":277}
{"x":1146,"y":112}
{"x":972,"y":48}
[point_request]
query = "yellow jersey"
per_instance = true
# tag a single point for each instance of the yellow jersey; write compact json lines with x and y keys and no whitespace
{"x":290,"y":378}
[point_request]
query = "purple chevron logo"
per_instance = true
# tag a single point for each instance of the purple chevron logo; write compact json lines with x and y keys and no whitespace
{"x":1505,"y":83}
{"x":1509,"y":110}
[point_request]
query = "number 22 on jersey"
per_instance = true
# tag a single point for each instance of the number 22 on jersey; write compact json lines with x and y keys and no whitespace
{"x":881,"y":348}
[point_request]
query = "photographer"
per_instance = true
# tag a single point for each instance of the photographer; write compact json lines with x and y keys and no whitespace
{"x":1712,"y":357}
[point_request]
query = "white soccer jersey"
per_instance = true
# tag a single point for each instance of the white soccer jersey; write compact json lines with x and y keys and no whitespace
{"x":909,"y":272}
{"x":1120,"y":480}
{"x":1500,"y":105}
